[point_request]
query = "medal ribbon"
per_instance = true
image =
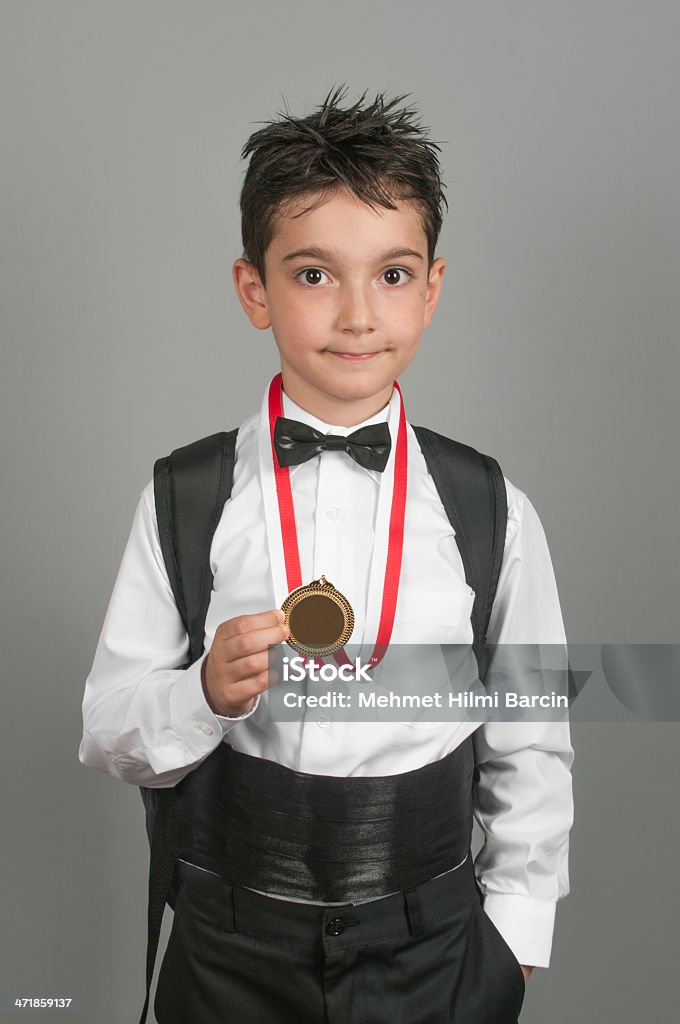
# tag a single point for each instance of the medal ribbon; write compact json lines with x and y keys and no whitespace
{"x":395,"y":546}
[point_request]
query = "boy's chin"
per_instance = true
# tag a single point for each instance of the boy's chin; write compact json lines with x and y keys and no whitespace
{"x":360,"y":391}
{"x":341,"y":383}
{"x":370,"y":377}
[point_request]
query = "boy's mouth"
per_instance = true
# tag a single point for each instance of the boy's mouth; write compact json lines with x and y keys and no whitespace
{"x":353,"y":356}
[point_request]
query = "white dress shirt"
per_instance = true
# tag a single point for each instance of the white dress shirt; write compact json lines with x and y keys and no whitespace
{"x":147,"y":722}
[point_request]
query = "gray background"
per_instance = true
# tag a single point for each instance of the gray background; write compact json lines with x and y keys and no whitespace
{"x":555,"y":349}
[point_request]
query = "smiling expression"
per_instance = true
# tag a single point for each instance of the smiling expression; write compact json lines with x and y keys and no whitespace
{"x":348,"y":295}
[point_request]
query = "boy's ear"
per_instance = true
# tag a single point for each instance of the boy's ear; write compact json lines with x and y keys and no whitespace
{"x":435,"y":278}
{"x":251,"y":293}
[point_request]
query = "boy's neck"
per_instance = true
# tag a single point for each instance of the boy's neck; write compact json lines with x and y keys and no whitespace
{"x":336,"y":412}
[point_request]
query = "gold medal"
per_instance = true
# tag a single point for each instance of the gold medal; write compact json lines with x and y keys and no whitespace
{"x":319,"y":617}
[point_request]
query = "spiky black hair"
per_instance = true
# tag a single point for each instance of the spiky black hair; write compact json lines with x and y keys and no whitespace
{"x":379,"y":151}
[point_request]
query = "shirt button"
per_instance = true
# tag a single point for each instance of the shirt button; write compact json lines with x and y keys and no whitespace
{"x":322,"y":721}
{"x":205,"y":728}
{"x":333,"y":514}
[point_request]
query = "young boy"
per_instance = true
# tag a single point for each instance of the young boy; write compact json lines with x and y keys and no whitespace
{"x":325,"y":867}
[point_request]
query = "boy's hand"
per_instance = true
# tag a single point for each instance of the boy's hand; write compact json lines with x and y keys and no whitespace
{"x":237,"y":667}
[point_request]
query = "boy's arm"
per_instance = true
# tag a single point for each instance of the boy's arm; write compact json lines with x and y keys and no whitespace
{"x":523,"y":800}
{"x":145,"y":720}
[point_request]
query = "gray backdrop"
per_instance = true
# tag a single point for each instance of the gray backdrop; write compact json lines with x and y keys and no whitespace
{"x":554,"y":349}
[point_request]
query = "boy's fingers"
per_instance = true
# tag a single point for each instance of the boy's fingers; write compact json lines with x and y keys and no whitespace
{"x":241,"y":625}
{"x":244,"y":645}
{"x":258,"y":683}
{"x":252,"y":665}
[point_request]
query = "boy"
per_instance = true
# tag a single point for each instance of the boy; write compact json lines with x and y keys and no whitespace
{"x":325,"y":865}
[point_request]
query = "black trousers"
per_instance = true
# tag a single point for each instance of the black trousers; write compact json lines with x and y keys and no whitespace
{"x":427,"y":956}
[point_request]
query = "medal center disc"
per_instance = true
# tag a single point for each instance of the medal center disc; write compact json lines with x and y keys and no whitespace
{"x":317,"y":621}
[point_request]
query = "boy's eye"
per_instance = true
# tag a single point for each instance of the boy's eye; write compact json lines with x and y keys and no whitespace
{"x":396,"y":275}
{"x":312,"y":275}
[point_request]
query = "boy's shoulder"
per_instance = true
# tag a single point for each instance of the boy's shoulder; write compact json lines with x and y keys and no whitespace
{"x":516,"y":498}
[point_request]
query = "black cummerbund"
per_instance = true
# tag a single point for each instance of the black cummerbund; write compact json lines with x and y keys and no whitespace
{"x":324,"y":838}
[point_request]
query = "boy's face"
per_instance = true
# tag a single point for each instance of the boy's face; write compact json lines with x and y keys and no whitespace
{"x":348,"y":296}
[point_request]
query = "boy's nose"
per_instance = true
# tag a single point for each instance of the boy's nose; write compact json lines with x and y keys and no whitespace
{"x":356,"y":314}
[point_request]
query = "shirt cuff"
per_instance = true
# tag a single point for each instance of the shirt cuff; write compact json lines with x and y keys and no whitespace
{"x":192,"y":718}
{"x":228,"y":720}
{"x":526,"y":924}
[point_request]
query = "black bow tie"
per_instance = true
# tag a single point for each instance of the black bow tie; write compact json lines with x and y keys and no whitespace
{"x":296,"y":443}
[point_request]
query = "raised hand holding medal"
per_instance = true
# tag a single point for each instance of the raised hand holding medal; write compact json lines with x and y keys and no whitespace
{"x":319,"y":617}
